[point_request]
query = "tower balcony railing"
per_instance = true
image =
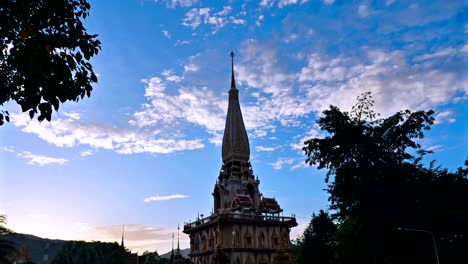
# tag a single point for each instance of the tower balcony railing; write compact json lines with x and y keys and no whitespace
{"x":223,"y":215}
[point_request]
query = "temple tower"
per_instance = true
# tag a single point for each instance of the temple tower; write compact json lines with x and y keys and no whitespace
{"x":245,"y":227}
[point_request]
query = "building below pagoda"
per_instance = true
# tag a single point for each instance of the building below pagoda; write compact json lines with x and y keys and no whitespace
{"x":245,"y":227}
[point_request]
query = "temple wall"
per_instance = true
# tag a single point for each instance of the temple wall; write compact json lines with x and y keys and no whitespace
{"x":242,"y":243}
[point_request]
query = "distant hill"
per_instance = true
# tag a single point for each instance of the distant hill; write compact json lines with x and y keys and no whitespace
{"x":36,"y":245}
{"x":183,"y":252}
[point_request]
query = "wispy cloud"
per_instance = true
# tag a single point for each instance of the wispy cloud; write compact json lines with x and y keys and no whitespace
{"x":262,"y":148}
{"x":71,"y":132}
{"x":208,"y":16}
{"x":177,"y":3}
{"x":446,"y":116}
{"x":166,"y":34}
{"x":280,"y":162}
{"x":165,"y":198}
{"x":41,"y":160}
{"x":86,"y":153}
{"x":283,"y":3}
{"x":9,"y":149}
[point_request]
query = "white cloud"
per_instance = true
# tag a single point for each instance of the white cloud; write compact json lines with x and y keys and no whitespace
{"x":206,"y":16}
{"x":300,"y":164}
{"x":238,"y":21}
{"x":74,"y":116}
{"x":280,"y":162}
{"x":328,"y":2}
{"x":165,"y":198}
{"x":71,"y":132}
{"x":445,"y":117}
{"x":363,"y":10}
{"x":166,"y":34}
{"x":182,"y":42}
{"x":175,"y":3}
{"x":259,"y":20}
{"x":195,"y":17}
{"x":394,"y":82}
{"x":86,"y":153}
{"x":226,"y":10}
{"x":283,"y":3}
{"x":447,"y":52}
{"x":267,"y":3}
{"x":313,"y":133}
{"x":40,"y":159}
{"x":435,"y":148}
{"x":196,"y":106}
{"x":9,"y":149}
{"x":170,"y":76}
{"x":262,"y":148}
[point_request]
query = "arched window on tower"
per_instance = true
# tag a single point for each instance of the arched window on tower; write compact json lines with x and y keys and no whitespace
{"x":248,"y":240}
{"x":262,"y":240}
{"x":237,"y":239}
{"x":197,"y":244}
{"x":203,"y":243}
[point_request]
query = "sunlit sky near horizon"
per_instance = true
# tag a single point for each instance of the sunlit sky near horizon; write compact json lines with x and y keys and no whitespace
{"x":144,"y":151}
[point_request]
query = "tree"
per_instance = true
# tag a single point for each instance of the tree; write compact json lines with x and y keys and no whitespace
{"x":45,"y":54}
{"x":377,"y":181}
{"x":149,"y":258}
{"x":77,"y":252}
{"x":7,"y":248}
{"x":316,"y":245}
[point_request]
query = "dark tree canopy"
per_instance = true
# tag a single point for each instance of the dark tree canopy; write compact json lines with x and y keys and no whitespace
{"x":45,"y":53}
{"x":7,"y":248}
{"x":378,"y":183}
{"x":80,"y":252}
{"x":316,"y":245}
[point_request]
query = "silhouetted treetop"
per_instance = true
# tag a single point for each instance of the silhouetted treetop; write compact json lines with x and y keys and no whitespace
{"x":45,"y":53}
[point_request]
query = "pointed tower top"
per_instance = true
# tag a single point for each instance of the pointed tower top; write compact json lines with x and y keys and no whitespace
{"x":233,"y":81}
{"x":235,"y":140}
{"x":178,"y":248}
{"x":123,"y":231}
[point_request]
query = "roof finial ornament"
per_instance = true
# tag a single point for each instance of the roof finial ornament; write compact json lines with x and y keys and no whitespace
{"x":233,"y":82}
{"x":123,"y":232}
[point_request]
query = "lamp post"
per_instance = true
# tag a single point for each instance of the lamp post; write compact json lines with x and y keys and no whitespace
{"x":424,"y":231}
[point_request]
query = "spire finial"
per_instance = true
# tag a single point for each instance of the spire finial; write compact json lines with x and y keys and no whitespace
{"x":123,"y":232}
{"x":178,"y":228}
{"x":233,"y":82}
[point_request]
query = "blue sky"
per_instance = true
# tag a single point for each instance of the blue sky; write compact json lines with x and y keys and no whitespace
{"x":144,"y":150}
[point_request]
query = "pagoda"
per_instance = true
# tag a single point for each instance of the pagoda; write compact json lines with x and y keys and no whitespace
{"x":244,"y":227}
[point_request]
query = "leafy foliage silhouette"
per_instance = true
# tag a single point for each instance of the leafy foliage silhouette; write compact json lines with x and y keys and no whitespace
{"x":77,"y":252}
{"x":7,"y":248}
{"x":45,"y":54}
{"x":318,"y":240}
{"x":377,"y":183}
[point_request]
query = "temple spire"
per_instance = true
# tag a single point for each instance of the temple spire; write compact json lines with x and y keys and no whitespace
{"x":123,"y":231}
{"x":178,"y":248}
{"x":235,"y":140}
{"x":233,"y":81}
